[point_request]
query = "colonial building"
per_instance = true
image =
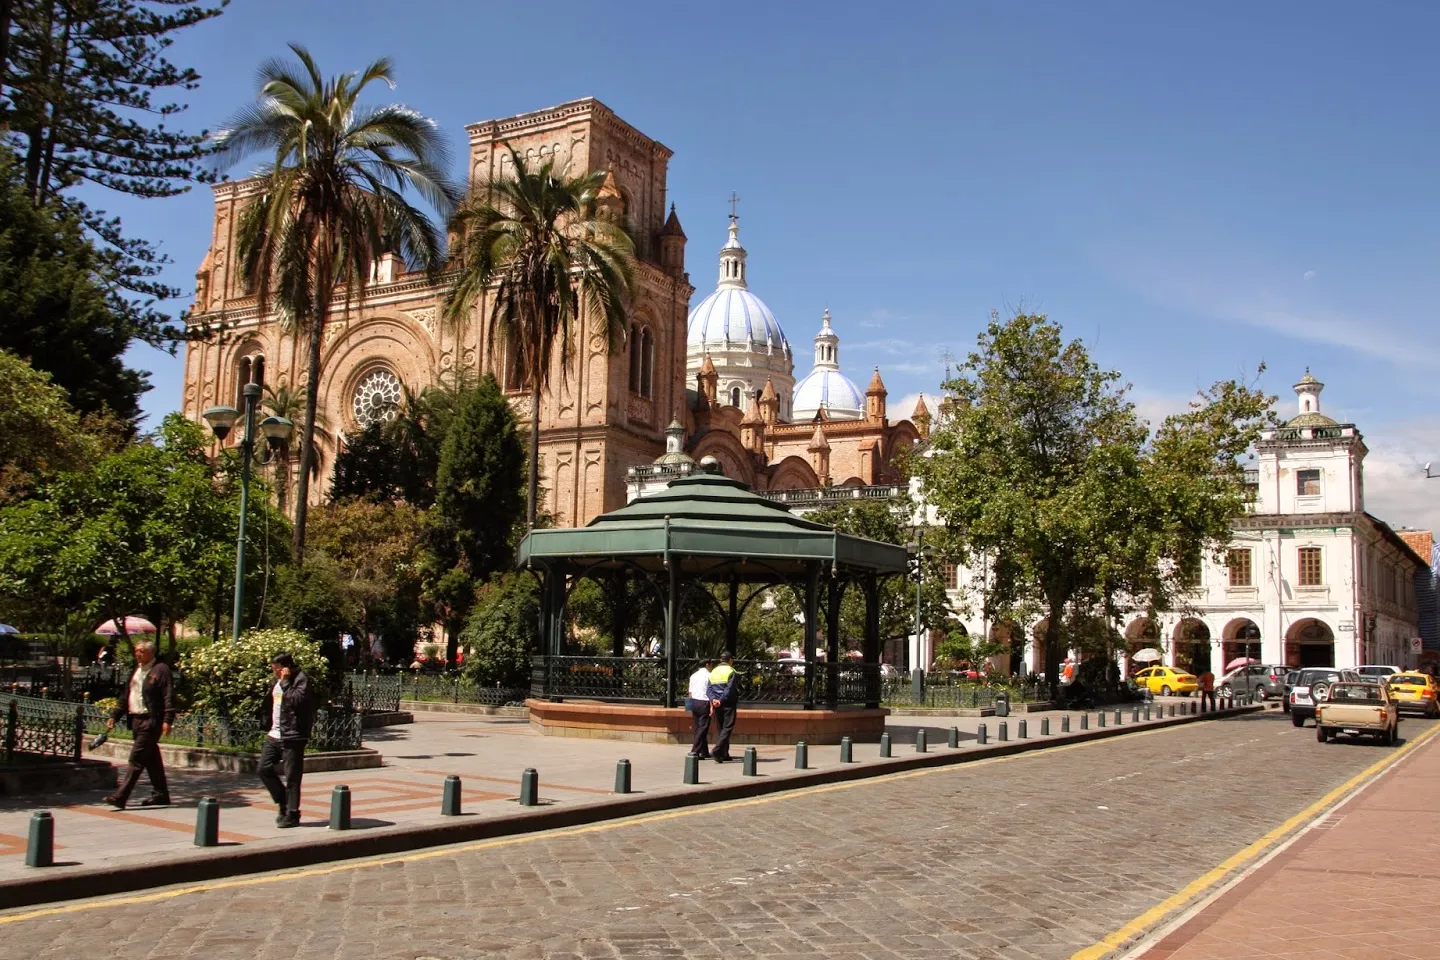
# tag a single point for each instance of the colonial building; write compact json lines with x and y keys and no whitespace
{"x":817,"y":440}
{"x":602,"y":417}
{"x":1310,"y":579}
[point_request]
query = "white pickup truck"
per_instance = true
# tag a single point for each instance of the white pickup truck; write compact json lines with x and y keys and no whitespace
{"x":1358,"y":709}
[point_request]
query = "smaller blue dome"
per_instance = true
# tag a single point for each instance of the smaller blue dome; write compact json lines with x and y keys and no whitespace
{"x":830,"y":390}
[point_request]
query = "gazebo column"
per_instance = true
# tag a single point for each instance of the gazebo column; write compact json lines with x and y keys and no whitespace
{"x":619,"y":620}
{"x":812,"y":638}
{"x":732,"y":619}
{"x":871,"y":651}
{"x":832,"y":644}
{"x":672,"y":632}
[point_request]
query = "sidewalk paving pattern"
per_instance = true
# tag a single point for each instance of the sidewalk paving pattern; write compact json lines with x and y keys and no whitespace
{"x":1033,"y":856}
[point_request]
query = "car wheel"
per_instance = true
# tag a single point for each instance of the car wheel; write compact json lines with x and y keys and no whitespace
{"x":1165,"y":690}
{"x":1432,"y":711}
{"x":1320,"y":734}
{"x":1297,"y":720}
{"x":1225,"y":691}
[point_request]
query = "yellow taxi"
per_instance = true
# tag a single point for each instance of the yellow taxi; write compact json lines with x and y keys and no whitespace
{"x":1163,"y":681}
{"x":1414,"y":691}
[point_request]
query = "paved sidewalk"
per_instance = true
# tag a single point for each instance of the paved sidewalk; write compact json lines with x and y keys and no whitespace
{"x":487,"y":753}
{"x":1361,"y":884}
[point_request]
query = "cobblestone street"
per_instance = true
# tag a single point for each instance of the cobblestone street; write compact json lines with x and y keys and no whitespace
{"x":1035,"y":856}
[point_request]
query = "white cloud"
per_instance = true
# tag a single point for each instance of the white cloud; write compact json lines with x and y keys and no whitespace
{"x":1396,"y":490}
{"x":1310,"y":275}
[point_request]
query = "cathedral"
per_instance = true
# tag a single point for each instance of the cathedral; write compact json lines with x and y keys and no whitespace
{"x":721,"y":375}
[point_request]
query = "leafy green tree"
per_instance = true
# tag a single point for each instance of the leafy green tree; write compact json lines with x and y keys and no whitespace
{"x":503,"y":632}
{"x":332,"y":199}
{"x":314,"y":599}
{"x":477,"y":503}
{"x":377,"y":549}
{"x":551,"y":251}
{"x":85,"y":84}
{"x":40,"y":434}
{"x":57,"y":309}
{"x":1042,"y":461}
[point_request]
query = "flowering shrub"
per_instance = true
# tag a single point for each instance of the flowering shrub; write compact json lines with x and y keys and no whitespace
{"x":234,"y":681}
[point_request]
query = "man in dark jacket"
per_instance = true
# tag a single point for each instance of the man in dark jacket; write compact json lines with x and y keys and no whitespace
{"x":145,"y":705}
{"x":291,"y":712}
{"x":724,"y":697}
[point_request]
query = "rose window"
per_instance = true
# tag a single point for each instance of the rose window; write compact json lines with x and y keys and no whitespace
{"x":377,"y":397}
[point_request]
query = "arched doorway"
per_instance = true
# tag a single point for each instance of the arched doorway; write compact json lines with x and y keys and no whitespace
{"x":1037,"y":647}
{"x":1309,"y":643}
{"x":1141,"y":633}
{"x":1240,"y":638}
{"x":1192,"y":646}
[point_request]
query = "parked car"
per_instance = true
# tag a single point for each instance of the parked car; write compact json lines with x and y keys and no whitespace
{"x":1416,"y":692}
{"x":1312,"y":687}
{"x":1358,"y":709}
{"x":1262,"y":680}
{"x":1163,"y":681}
{"x":1290,"y":678}
{"x":1376,"y":671}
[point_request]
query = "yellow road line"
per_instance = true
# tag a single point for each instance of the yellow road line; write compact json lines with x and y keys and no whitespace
{"x":1199,"y":885}
{"x":452,"y":850}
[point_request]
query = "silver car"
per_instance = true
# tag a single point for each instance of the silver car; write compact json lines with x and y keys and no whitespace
{"x":1260,"y":679}
{"x":1312,"y":686}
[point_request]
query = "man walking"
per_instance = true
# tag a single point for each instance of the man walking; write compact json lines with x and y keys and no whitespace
{"x":724,"y":696}
{"x":1207,"y":691}
{"x":147,"y":709}
{"x":699,"y":706}
{"x":292,"y":714}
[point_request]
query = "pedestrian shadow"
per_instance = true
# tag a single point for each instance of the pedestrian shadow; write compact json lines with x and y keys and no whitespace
{"x":356,"y":823}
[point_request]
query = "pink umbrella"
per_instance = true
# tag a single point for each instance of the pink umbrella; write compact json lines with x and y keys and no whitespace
{"x":1239,"y":662}
{"x":133,"y":625}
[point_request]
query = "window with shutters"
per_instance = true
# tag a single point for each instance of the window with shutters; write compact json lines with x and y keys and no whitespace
{"x":1310,"y":570}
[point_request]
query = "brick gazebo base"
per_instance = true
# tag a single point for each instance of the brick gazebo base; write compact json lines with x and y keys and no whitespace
{"x":653,"y":724}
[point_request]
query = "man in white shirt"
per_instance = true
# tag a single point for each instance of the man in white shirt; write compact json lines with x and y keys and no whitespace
{"x":148,"y":710}
{"x":698,"y":703}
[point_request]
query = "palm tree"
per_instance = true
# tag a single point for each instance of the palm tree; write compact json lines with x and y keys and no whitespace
{"x":332,"y":200}
{"x":289,"y":402}
{"x":548,"y":248}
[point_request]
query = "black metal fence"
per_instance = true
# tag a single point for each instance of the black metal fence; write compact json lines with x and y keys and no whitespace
{"x":44,"y":728}
{"x":382,"y":693}
{"x":902,"y":692}
{"x":762,"y":682}
{"x":334,"y":730}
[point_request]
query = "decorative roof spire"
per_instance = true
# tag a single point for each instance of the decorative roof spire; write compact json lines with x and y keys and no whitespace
{"x":921,"y":412}
{"x":818,"y":441}
{"x":672,"y":225}
{"x":877,"y":386}
{"x":827,"y":344}
{"x":732,"y":255}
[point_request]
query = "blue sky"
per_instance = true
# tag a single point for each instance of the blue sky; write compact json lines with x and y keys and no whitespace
{"x":1192,"y":189}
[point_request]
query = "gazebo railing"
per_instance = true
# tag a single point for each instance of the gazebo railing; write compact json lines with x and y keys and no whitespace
{"x":762,"y":682}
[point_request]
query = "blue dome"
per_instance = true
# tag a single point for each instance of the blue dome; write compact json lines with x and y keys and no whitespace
{"x":831,"y":390}
{"x":735,"y":316}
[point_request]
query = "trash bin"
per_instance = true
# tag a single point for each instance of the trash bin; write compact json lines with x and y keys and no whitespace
{"x":1002,"y":704}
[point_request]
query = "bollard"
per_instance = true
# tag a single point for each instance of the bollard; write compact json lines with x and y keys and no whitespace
{"x":922,"y":744}
{"x":1100,"y":717}
{"x":1135,"y":714}
{"x":40,"y":852}
{"x":692,"y":769}
{"x":1004,"y":732}
{"x":954,"y":740}
{"x":449,"y":801}
{"x":1065,"y":723}
{"x":884,"y":744}
{"x":1119,"y":717}
{"x":1023,"y":732}
{"x":802,"y":755}
{"x":622,"y":776}
{"x":1147,"y":711}
{"x":1172,"y":709}
{"x":1084,"y":721}
{"x":847,"y":751}
{"x":529,"y":787}
{"x":752,"y":757}
{"x":1044,"y":726}
{"x":340,"y":804}
{"x":1194,"y":708}
{"x":207,"y":822}
{"x":980,"y":736}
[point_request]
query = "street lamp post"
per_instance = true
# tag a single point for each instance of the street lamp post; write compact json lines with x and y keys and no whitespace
{"x":919,"y":549}
{"x":277,"y":434}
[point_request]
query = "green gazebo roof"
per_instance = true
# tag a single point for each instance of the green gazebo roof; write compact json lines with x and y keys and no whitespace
{"x":706,"y":519}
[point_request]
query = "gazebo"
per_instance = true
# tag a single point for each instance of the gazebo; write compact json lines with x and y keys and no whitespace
{"x":705,"y":539}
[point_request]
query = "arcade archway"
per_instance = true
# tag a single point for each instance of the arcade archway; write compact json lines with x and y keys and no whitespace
{"x":1192,"y":646}
{"x":1240,"y":638}
{"x":1309,"y":643}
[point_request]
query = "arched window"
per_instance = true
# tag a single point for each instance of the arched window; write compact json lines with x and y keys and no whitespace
{"x":377,"y":397}
{"x":647,"y":361}
{"x":734,"y":396}
{"x":248,"y":369}
{"x":634,"y":358}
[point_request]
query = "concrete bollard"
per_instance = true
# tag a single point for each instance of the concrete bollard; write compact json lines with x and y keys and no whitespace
{"x":752,"y":759}
{"x":847,"y":750}
{"x":1004,"y":732}
{"x":622,"y":776}
{"x":207,"y":822}
{"x":954,"y":740}
{"x":1147,"y":711}
{"x":884,"y":745}
{"x":1100,"y":717}
{"x":529,"y":787}
{"x":692,"y":769}
{"x":1085,"y":721}
{"x":1044,"y":726}
{"x":449,"y":801}
{"x":802,"y":755}
{"x":1135,"y":715}
{"x":40,"y":851}
{"x":340,"y":804}
{"x":922,"y":744}
{"x":1194,"y":707}
{"x":1023,"y":732}
{"x":980,"y":735}
{"x":1119,"y":717}
{"x":1065,"y":723}
{"x":1172,"y":709}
